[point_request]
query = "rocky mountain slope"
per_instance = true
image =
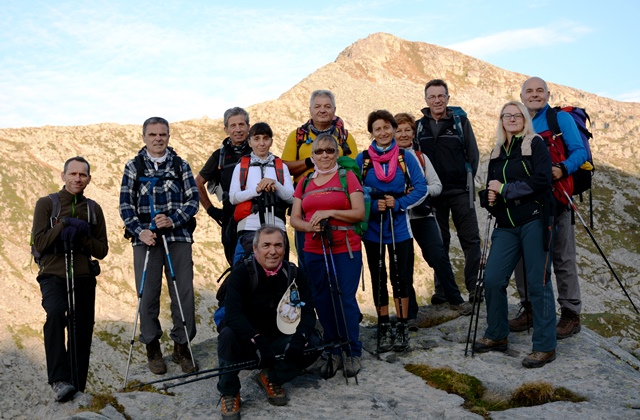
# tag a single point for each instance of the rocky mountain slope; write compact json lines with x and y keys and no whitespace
{"x":381,"y":71}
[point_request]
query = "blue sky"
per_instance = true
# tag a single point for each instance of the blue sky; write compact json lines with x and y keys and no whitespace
{"x":84,"y":62}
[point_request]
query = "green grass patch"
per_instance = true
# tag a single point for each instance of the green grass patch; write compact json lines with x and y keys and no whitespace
{"x":100,"y":401}
{"x":609,"y":324}
{"x":475,"y":394}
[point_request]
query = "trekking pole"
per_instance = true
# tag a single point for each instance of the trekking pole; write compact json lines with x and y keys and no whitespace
{"x":475,"y":311}
{"x":71,"y":313}
{"x":575,"y":209}
{"x":344,"y":318}
{"x":135,"y":322}
{"x":380,"y":264}
{"x":272,"y":205}
{"x":395,"y":265}
{"x":325,"y":235}
{"x":175,"y":287}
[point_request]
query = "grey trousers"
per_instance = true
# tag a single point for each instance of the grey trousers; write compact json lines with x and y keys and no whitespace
{"x":564,"y":266}
{"x":180,"y":253}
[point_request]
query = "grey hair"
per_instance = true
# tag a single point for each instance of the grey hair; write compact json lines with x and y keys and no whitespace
{"x":323,"y":137}
{"x":544,"y":83}
{"x":154,"y":120}
{"x":232,"y":112}
{"x":322,"y":92}
{"x":267,"y":229}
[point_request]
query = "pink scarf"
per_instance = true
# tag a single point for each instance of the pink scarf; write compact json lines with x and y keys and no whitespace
{"x":270,"y":273}
{"x":390,"y":157}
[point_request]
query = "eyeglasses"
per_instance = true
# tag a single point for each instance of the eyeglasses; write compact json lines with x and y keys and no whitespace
{"x":509,"y":117}
{"x":432,"y":98}
{"x":328,"y":150}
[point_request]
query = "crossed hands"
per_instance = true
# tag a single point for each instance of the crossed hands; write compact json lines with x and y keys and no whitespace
{"x":387,"y":202}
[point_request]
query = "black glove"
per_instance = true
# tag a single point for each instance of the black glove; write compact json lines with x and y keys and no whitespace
{"x":216,"y":214}
{"x":266,"y":356}
{"x":83,"y":227}
{"x":294,"y":351}
{"x":69,"y":234}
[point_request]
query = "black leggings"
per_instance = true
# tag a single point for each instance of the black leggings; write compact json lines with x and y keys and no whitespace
{"x":401,"y":282}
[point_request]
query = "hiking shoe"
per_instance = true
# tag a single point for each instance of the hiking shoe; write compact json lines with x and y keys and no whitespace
{"x":472,"y":296}
{"x":568,"y":325}
{"x":412,"y":324}
{"x":437,"y":299}
{"x":154,"y":356}
{"x":464,"y":308}
{"x":524,"y":320}
{"x":401,"y":339}
{"x":331,"y":367}
{"x":182,"y":356}
{"x":275,"y":393}
{"x":352,"y":366}
{"x":63,"y":390}
{"x":385,"y":337}
{"x":538,"y":359}
{"x":486,"y":344}
{"x":230,"y":406}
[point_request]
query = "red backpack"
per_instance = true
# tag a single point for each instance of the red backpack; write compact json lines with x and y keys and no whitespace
{"x":557,"y":151}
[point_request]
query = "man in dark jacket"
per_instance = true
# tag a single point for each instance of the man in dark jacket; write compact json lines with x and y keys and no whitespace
{"x":66,"y":239}
{"x":455,"y":157}
{"x":254,"y":327}
{"x":216,"y":175}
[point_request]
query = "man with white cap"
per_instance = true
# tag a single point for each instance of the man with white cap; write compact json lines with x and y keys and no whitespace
{"x":269,"y":311}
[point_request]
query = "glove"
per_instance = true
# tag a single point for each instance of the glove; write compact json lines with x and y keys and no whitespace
{"x":216,"y":214}
{"x":69,"y":234}
{"x":294,"y":351}
{"x":266,"y":356}
{"x":82,"y":226}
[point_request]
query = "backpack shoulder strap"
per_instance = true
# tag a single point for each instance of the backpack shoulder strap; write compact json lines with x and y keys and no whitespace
{"x":291,"y":272}
{"x":403,"y":166}
{"x":342,"y":175}
{"x":552,"y":121}
{"x":279,"y":170}
{"x":244,"y":171}
{"x":91,"y":210}
{"x":177,"y":166}
{"x":55,"y":205}
{"x":250,"y":263}
{"x":366,"y":164}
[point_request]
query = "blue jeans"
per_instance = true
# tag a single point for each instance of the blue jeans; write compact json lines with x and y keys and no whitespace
{"x":508,"y":245}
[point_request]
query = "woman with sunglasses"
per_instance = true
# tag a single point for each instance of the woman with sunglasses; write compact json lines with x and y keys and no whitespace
{"x":323,"y":211}
{"x":397,"y":184}
{"x":518,"y":195}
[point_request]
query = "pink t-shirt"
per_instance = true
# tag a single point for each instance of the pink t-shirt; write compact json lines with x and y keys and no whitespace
{"x":325,"y":200}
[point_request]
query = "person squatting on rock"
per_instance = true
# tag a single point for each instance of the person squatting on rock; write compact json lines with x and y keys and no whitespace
{"x":451,"y":154}
{"x":535,"y":96}
{"x":325,"y":212}
{"x":261,"y":190}
{"x":215,"y":176}
{"x":66,"y":242}
{"x":297,"y":149}
{"x":159,"y":205}
{"x":254,"y":328}
{"x":518,"y":195}
{"x":424,"y":227}
{"x":397,"y":184}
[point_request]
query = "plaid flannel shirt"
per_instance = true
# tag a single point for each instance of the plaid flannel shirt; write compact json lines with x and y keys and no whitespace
{"x":178,"y":202}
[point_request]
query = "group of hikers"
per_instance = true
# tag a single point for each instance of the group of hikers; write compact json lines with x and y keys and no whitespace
{"x":409,"y":182}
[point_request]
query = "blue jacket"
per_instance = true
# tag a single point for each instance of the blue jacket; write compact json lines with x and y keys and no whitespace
{"x":570,"y":135}
{"x":401,"y":225}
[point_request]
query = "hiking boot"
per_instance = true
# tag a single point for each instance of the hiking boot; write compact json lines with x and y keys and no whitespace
{"x":352,"y":366}
{"x":568,"y":325}
{"x":524,"y":320}
{"x":538,"y":359}
{"x":385,"y":337}
{"x":275,"y":393}
{"x":333,"y":365}
{"x":472,"y":296}
{"x":182,"y":356}
{"x":438,"y":299}
{"x":230,"y":406}
{"x":63,"y":390}
{"x":486,"y":344}
{"x":401,"y":339}
{"x":413,"y":325}
{"x":154,"y":356}
{"x":464,"y":308}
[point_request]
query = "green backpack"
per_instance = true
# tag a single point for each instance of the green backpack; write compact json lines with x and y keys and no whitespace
{"x":345,"y":163}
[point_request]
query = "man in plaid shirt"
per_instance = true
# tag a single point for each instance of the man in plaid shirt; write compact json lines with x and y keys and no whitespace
{"x":159,"y":197}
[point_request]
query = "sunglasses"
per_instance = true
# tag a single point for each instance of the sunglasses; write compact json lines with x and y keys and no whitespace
{"x":328,"y":150}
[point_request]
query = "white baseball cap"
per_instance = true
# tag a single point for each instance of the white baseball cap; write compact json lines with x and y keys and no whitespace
{"x":288,"y":314}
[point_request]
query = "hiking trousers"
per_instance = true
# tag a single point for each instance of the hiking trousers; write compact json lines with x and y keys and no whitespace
{"x":328,"y":305}
{"x":465,"y":221}
{"x":564,"y":266}
{"x":427,"y":235}
{"x":401,"y":282}
{"x":180,"y":253}
{"x":56,"y":346}
{"x":508,"y":245}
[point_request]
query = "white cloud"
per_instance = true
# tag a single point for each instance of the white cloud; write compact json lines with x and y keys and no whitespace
{"x":519,"y":39}
{"x":631,"y":96}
